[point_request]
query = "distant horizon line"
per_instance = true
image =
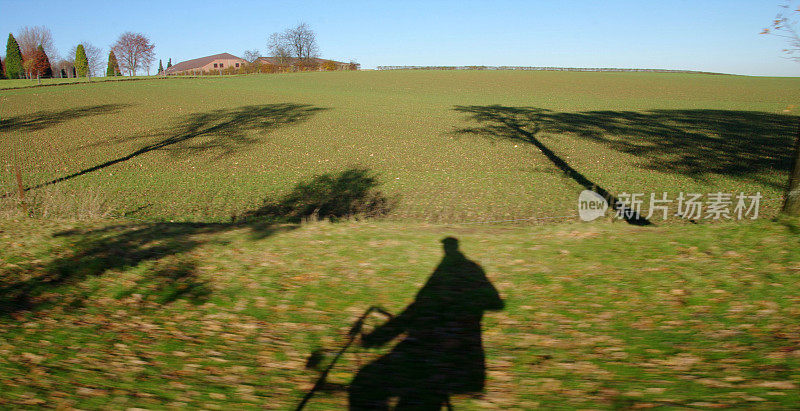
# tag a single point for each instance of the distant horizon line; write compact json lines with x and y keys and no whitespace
{"x":552,"y":68}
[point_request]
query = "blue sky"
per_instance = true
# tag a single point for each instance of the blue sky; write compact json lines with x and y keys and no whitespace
{"x":721,"y":36}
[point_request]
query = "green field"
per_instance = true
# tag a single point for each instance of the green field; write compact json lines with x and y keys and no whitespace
{"x":121,"y":315}
{"x":206,"y":149}
{"x":171,"y":257}
{"x":25,"y":83}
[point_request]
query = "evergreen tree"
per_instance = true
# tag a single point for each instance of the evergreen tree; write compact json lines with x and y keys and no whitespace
{"x":169,"y":62}
{"x":48,"y":66}
{"x":110,"y":68}
{"x":2,"y":69}
{"x":113,"y":67}
{"x":160,"y":67}
{"x":13,"y":58}
{"x":81,"y":62}
{"x":41,"y":64}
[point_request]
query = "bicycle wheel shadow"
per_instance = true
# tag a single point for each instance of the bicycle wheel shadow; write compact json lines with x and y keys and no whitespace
{"x":442,"y":351}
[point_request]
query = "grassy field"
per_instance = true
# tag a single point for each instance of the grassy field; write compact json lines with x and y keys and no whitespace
{"x":172,"y":256}
{"x":452,"y":146}
{"x":24,"y":83}
{"x":120,"y":315}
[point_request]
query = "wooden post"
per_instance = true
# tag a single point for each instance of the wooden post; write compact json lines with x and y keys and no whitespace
{"x":21,"y":190}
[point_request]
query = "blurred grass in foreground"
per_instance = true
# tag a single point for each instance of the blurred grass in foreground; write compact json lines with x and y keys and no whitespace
{"x":597,"y":315}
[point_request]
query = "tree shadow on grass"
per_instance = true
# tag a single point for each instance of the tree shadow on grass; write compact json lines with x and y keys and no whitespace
{"x":173,"y":279}
{"x":524,"y":124}
{"x":691,"y":142}
{"x":44,"y":119}
{"x":694,"y":143}
{"x":221,"y":131}
{"x":95,"y":251}
{"x":351,"y":193}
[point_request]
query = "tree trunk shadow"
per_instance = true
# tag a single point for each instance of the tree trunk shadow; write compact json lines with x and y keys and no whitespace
{"x":523,"y":124}
{"x":223,"y":131}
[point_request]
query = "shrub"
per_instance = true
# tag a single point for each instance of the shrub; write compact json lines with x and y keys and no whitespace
{"x":329,"y":66}
{"x":307,"y":65}
{"x":269,"y":68}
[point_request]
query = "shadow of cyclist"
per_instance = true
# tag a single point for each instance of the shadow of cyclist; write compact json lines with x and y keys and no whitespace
{"x":442,"y":352}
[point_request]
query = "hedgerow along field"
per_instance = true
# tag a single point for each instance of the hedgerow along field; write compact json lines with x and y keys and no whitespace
{"x":445,"y":144}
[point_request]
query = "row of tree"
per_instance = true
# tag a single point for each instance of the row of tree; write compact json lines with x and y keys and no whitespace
{"x":295,"y":49}
{"x":31,"y":54}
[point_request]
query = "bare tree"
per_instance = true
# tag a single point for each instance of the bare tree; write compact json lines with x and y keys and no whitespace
{"x":786,"y":25}
{"x":302,"y":40}
{"x":95,"y":57}
{"x":279,"y":47}
{"x":66,"y":67}
{"x":148,"y":60}
{"x":299,"y":42}
{"x":251,"y":55}
{"x":134,"y":51}
{"x":29,"y":39}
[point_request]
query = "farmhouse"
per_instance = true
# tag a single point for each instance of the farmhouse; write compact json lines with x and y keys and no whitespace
{"x":213,"y":63}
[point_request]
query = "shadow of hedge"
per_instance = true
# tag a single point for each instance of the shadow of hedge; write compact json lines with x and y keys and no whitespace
{"x":95,"y":251}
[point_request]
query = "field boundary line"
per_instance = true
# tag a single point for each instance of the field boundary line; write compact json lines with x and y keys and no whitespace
{"x":103,"y":81}
{"x":519,"y":219}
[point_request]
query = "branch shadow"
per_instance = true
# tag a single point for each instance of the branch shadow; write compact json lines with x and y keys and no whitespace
{"x":694,"y":143}
{"x":96,"y":251}
{"x":44,"y":119}
{"x":689,"y":142}
{"x":524,"y":124}
{"x":174,"y":279}
{"x":223,"y":131}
